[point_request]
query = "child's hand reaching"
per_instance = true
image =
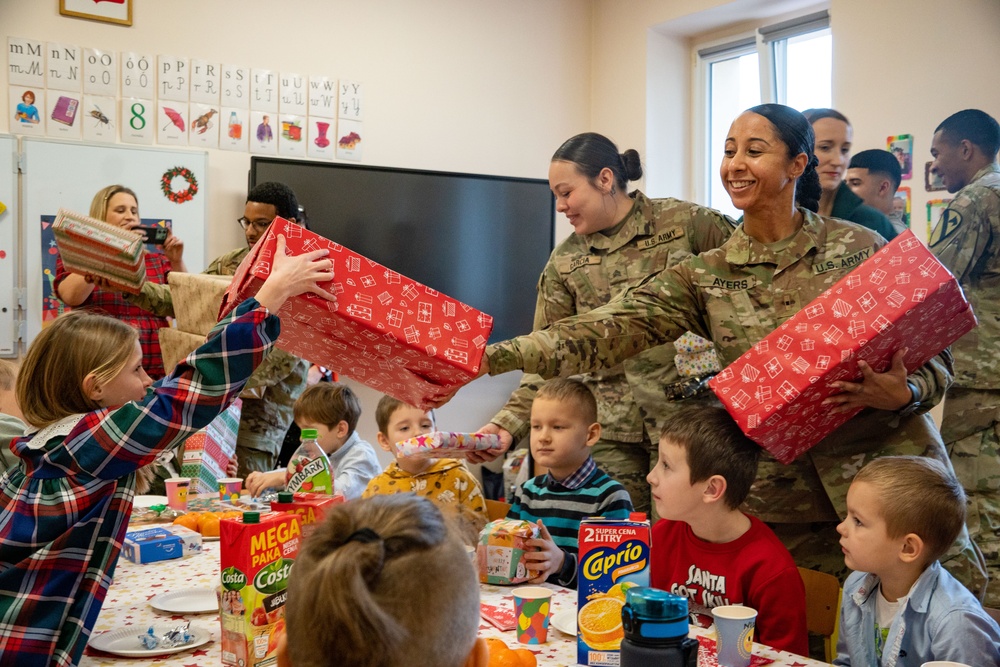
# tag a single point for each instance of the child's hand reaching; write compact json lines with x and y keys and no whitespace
{"x":548,"y":560}
{"x":292,"y":275}
{"x":257,"y":482}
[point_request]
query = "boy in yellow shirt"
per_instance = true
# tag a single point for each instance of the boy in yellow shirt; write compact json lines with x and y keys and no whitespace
{"x":446,"y":482}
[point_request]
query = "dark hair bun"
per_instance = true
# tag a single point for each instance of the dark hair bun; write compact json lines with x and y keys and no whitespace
{"x":633,"y":165}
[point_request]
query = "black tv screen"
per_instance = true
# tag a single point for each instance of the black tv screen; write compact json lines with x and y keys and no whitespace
{"x":480,"y":239}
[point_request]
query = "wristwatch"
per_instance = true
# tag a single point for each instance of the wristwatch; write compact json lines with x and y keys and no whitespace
{"x":914,"y":404}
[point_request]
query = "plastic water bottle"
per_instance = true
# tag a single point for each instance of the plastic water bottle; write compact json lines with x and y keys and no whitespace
{"x":309,"y":468}
{"x":656,"y":630}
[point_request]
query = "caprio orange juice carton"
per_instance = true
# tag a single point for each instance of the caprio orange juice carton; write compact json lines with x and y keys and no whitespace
{"x":613,"y":557}
{"x":257,"y":553}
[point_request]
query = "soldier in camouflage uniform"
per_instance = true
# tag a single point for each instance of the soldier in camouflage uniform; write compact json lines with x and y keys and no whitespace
{"x":273,"y":388}
{"x":967,"y":241}
{"x":780,"y":259}
{"x":633,"y":239}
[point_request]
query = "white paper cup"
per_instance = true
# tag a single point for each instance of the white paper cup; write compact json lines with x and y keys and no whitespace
{"x":734,"y":626}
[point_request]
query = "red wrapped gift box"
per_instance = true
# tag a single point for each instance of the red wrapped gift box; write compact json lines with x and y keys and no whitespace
{"x":385,"y":331}
{"x":902,"y":296}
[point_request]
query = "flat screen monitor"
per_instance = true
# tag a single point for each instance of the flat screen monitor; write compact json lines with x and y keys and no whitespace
{"x":480,"y":239}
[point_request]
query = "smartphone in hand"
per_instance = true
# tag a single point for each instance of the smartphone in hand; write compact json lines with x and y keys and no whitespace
{"x":154,"y":234}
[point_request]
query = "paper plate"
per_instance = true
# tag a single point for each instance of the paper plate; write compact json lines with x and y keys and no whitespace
{"x":149,"y":501}
{"x":187,"y":601}
{"x":126,"y":643}
{"x":564,"y":621}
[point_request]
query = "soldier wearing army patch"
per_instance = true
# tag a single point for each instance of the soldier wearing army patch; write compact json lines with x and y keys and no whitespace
{"x":967,"y":241}
{"x":273,"y":388}
{"x":620,"y":240}
{"x":768,"y":154}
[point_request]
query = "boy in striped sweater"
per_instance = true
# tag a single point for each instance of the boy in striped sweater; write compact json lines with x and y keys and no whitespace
{"x":563,"y":429}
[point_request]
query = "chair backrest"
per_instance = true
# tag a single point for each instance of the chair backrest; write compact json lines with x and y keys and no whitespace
{"x":994,"y":613}
{"x":496,"y":509}
{"x":822,"y":604}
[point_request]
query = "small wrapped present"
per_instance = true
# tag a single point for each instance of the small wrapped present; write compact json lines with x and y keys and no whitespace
{"x":197,"y":298}
{"x":696,"y":356}
{"x":90,"y":246}
{"x":175,"y":345}
{"x":442,"y":445}
{"x":207,"y":452}
{"x":499,"y":556}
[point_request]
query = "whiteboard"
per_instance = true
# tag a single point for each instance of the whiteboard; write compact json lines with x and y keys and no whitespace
{"x":57,"y":174}
{"x":8,"y":246}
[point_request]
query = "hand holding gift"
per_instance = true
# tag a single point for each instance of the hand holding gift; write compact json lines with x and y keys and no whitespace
{"x":882,"y":391}
{"x":292,"y":275}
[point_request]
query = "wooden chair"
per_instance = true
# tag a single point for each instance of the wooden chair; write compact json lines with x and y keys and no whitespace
{"x":822,"y":607}
{"x":994,"y":613}
{"x":496,"y":509}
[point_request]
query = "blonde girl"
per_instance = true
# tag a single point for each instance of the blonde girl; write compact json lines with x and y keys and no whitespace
{"x":383,"y":582}
{"x":96,"y":418}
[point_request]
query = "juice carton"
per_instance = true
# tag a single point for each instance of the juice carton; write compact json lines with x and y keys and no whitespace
{"x":257,"y":554}
{"x":160,"y":543}
{"x":310,"y":507}
{"x":613,"y":557}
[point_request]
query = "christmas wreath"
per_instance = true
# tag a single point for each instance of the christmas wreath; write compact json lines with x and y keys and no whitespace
{"x":179,"y":196}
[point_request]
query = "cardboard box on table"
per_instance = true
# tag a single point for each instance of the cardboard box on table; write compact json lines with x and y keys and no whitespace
{"x":207,"y":452}
{"x":90,"y":246}
{"x":386,"y":331}
{"x":902,"y":296}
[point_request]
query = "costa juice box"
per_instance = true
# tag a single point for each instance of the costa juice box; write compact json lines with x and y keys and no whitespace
{"x":311,"y":508}
{"x":257,"y":554}
{"x":613,"y":557}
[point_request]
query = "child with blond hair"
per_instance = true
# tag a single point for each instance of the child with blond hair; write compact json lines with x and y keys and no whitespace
{"x":333,"y":410}
{"x":383,"y":581}
{"x":563,"y":427}
{"x":96,"y":419}
{"x":704,"y":548}
{"x":900,"y":607}
{"x":446,"y":482}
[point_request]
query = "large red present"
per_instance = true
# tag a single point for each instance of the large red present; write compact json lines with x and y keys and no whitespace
{"x":902,"y":296}
{"x":385,"y":330}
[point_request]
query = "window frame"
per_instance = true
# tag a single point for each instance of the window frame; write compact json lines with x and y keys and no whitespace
{"x":765,"y":40}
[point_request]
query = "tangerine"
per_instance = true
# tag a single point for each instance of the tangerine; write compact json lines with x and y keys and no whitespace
{"x":208,"y":524}
{"x":189,"y":520}
{"x":503,"y":657}
{"x":526,"y":657}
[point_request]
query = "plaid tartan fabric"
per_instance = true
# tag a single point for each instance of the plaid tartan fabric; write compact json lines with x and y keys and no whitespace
{"x":64,"y":509}
{"x":112,"y":303}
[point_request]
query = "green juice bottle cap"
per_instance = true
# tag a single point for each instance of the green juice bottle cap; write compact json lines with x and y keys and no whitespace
{"x":251,"y":517}
{"x":309,"y":434}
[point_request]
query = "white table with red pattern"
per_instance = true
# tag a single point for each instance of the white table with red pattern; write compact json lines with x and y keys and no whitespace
{"x":127,"y":604}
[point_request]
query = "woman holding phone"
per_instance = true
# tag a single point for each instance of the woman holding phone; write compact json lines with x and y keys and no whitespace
{"x":118,"y":205}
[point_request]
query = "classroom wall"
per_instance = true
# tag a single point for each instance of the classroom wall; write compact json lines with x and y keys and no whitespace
{"x":482,"y":87}
{"x":900,"y":66}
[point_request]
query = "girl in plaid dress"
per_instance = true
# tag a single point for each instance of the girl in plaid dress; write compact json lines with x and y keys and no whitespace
{"x":64,"y":507}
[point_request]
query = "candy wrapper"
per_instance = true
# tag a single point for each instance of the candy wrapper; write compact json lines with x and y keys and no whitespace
{"x":178,"y":636}
{"x":440,"y":444}
{"x":499,"y":556}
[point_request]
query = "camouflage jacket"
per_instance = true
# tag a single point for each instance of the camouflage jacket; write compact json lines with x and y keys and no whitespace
{"x":734,"y":296}
{"x":272,"y":389}
{"x":585,"y":272}
{"x":967,"y":241}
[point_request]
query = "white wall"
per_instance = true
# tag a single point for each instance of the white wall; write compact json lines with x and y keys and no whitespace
{"x":483,"y":87}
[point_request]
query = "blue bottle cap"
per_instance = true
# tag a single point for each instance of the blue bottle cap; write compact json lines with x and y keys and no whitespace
{"x":650,"y":613}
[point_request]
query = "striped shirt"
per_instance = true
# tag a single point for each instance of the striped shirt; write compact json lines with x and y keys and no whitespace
{"x":64,"y":507}
{"x":561,"y":508}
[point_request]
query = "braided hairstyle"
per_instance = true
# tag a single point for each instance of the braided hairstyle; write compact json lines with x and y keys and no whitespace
{"x":797,"y":133}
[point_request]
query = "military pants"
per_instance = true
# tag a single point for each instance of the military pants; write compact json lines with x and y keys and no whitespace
{"x":250,"y":460}
{"x":971,"y":432}
{"x":628,"y":463}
